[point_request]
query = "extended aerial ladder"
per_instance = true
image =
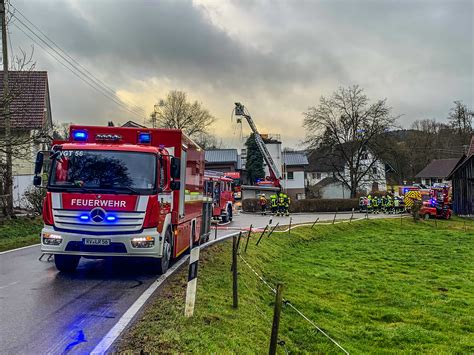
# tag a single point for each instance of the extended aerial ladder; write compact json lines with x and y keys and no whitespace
{"x":275,"y":175}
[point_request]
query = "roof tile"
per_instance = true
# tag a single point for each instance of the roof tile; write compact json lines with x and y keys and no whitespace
{"x":29,"y":90}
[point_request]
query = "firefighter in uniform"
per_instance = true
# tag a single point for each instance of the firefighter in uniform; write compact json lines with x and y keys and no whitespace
{"x":263,"y":204}
{"x":287,"y":204}
{"x":375,"y":204}
{"x":369,"y":204}
{"x":281,"y":204}
{"x":273,"y":203}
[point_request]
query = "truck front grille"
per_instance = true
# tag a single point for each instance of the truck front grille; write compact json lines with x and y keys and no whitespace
{"x":125,"y":222}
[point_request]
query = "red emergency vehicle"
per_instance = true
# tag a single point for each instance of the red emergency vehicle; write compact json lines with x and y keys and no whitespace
{"x":438,"y":206}
{"x":218,"y":190}
{"x":114,"y":192}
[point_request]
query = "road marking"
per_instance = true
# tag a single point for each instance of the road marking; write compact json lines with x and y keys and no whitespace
{"x":118,"y":328}
{"x":12,"y":250}
{"x":8,"y":285}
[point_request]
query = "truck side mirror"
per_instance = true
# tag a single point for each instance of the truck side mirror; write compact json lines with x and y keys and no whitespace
{"x":39,"y":163}
{"x":37,"y":180}
{"x":175,"y":185}
{"x":175,"y":168}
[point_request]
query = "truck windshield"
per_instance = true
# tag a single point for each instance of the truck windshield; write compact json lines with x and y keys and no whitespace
{"x":98,"y":170}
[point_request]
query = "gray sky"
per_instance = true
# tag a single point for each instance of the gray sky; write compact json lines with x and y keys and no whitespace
{"x":277,"y":57}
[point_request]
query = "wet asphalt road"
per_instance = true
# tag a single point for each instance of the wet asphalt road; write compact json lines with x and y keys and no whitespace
{"x":45,"y":311}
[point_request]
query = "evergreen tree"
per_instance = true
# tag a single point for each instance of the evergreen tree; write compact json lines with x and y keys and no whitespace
{"x":254,"y":163}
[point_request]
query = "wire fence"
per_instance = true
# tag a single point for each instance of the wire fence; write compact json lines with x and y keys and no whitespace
{"x":287,"y":303}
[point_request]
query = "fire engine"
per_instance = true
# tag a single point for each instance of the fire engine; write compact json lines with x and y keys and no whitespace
{"x":114,"y":192}
{"x":218,"y":190}
{"x":438,"y":206}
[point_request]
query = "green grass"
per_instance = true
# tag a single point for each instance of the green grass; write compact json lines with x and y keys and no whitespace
{"x":375,"y":286}
{"x":20,"y":232}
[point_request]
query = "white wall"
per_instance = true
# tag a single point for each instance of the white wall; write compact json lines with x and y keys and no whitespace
{"x":275,"y":152}
{"x":296,"y":183}
{"x":21,"y":183}
{"x":335,"y":190}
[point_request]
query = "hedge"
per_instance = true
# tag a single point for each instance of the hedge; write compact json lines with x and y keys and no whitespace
{"x":308,"y":205}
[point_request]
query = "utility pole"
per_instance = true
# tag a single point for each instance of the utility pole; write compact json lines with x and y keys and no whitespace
{"x":8,"y":179}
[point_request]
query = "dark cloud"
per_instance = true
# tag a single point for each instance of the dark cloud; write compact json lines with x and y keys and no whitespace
{"x":275,"y":54}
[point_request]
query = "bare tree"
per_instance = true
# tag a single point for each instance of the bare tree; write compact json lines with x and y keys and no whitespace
{"x":347,"y":126}
{"x":61,"y":130}
{"x":460,"y":118}
{"x":177,"y":112}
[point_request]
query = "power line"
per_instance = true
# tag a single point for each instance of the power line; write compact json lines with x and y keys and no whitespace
{"x":73,"y":72}
{"x":94,"y":78}
{"x":98,"y":88}
{"x":73,"y":68}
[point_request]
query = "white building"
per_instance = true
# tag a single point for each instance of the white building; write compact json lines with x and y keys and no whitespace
{"x":323,"y":173}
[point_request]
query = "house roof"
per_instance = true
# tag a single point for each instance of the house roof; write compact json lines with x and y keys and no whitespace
{"x":221,"y":156}
{"x":320,"y":160}
{"x":327,"y":181}
{"x":294,"y":158}
{"x":133,"y":124}
{"x":439,"y":168}
{"x":29,"y":92}
{"x":461,"y":162}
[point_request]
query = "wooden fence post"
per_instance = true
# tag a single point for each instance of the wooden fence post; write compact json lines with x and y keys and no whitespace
{"x":334,"y":220}
{"x":276,"y":319}
{"x":261,"y":235}
{"x":235,"y":298}
{"x":289,"y":228}
{"x":352,"y":215}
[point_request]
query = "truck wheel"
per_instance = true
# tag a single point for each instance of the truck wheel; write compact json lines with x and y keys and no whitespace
{"x":66,"y":263}
{"x":229,"y":213}
{"x":162,"y":264}
{"x":426,"y":216}
{"x":224,"y":218}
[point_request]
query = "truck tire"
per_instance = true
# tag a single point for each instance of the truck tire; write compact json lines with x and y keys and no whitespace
{"x":224,"y":218}
{"x":161,"y":265}
{"x":229,"y":212}
{"x":426,"y":216}
{"x":66,"y":263}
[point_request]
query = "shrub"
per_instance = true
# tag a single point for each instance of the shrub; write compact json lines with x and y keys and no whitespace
{"x":34,"y":198}
{"x":308,"y":205}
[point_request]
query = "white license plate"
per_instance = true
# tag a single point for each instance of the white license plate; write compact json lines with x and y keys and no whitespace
{"x":96,"y":241}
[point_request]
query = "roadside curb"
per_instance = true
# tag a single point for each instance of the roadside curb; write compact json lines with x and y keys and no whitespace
{"x":16,"y":249}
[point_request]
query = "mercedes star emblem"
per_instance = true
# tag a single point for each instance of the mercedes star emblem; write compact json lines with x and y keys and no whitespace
{"x":98,"y":215}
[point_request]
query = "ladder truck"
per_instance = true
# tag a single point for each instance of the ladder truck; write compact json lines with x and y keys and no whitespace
{"x":275,"y":175}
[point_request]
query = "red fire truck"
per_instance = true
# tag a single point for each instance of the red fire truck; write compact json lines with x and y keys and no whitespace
{"x":113,"y":192}
{"x":218,"y":190}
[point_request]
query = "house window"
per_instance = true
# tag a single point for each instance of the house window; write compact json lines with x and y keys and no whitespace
{"x":290,"y":175}
{"x":318,"y":176}
{"x":374,"y":171}
{"x":365,"y":156}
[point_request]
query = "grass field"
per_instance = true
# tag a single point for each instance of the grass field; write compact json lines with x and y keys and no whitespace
{"x":20,"y":232}
{"x":374,"y":286}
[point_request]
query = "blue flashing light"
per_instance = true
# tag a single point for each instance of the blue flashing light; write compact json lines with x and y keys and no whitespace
{"x":79,"y":136}
{"x":84,"y":217}
{"x":111,"y":218}
{"x":144,"y":138}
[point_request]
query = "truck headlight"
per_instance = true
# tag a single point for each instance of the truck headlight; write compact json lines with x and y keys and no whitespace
{"x":52,"y":239}
{"x":143,"y":242}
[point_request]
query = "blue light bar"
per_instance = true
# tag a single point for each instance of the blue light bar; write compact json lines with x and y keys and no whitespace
{"x":84,"y":217}
{"x":79,"y":136}
{"x":111,"y":218}
{"x":144,"y":138}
